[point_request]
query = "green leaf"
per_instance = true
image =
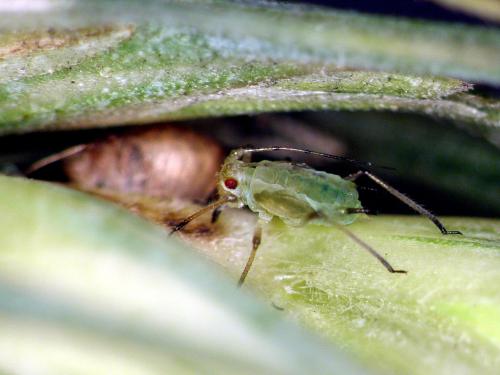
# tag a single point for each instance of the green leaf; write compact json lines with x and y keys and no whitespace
{"x":189,"y":60}
{"x":86,"y":287}
{"x":441,"y":317}
{"x":282,"y":31}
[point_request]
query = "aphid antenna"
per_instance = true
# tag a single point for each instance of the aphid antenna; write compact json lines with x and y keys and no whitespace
{"x":364,"y":164}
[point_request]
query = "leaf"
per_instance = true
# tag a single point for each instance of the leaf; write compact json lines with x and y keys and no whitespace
{"x":193,"y":60}
{"x":284,"y":31}
{"x":86,"y":287}
{"x":441,"y":317}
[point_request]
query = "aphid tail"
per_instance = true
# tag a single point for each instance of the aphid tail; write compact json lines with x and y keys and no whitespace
{"x":370,"y":249}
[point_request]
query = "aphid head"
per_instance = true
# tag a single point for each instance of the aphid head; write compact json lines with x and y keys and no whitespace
{"x":232,"y":178}
{"x":230,"y":181}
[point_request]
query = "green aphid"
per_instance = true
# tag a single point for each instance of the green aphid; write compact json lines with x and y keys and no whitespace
{"x":296,"y":194}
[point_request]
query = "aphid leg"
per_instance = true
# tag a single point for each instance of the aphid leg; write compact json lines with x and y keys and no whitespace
{"x":370,"y":249}
{"x":279,"y":308}
{"x":42,"y":163}
{"x":200,"y":212}
{"x":215,"y":214}
{"x":257,"y":235}
{"x":403,"y":198}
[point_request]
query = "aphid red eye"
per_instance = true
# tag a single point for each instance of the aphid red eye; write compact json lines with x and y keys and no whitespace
{"x":231,"y":183}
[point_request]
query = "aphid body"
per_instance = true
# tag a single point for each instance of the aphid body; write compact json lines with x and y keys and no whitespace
{"x":297,"y":195}
{"x":294,"y":193}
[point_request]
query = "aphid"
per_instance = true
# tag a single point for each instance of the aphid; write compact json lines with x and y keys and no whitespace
{"x":297,"y":195}
{"x":164,"y":162}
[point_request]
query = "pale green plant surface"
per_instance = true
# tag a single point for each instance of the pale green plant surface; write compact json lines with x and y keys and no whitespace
{"x":91,"y":267}
{"x":440,"y":318}
{"x":86,"y":287}
{"x":223,"y":60}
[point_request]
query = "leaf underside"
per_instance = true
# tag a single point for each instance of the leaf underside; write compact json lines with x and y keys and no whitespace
{"x":164,"y":67}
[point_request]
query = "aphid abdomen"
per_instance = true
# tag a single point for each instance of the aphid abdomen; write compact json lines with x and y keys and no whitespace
{"x":299,"y":195}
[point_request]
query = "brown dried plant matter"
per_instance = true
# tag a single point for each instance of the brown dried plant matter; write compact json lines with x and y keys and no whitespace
{"x":26,"y":43}
{"x":160,"y":162}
